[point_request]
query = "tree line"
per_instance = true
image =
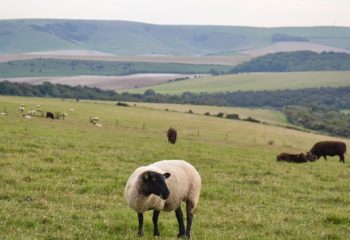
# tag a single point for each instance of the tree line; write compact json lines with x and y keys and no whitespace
{"x":296,"y":61}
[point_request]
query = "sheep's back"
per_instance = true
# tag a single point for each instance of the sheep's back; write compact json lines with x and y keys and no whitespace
{"x":183,"y":184}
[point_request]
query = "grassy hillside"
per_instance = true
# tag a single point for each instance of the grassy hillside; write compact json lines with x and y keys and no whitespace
{"x":132,"y":38}
{"x":60,"y":67}
{"x":65,"y":179}
{"x":255,"y":82}
{"x":265,"y":115}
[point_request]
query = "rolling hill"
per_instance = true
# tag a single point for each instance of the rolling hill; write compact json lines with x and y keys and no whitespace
{"x":133,"y":38}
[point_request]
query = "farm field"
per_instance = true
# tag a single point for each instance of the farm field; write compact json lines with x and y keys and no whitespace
{"x":64,"y":179}
{"x":255,"y":82}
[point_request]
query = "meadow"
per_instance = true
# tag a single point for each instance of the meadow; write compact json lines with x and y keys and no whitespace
{"x":255,"y":82}
{"x":64,"y":179}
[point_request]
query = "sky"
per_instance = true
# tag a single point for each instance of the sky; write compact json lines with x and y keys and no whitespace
{"x":260,"y":13}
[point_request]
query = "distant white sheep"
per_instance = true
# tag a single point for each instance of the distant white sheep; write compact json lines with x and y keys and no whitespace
{"x":21,"y":109}
{"x":163,"y":186}
{"x":98,"y":124}
{"x":71,"y":110}
{"x":63,"y":115}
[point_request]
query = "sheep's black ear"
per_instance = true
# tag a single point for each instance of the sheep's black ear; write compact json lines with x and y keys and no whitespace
{"x":166,"y":175}
{"x":146,"y":175}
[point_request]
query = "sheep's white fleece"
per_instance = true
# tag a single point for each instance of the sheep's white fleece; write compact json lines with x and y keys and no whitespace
{"x":183,"y":184}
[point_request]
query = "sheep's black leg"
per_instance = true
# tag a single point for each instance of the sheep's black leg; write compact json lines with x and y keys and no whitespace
{"x":155,"y":222}
{"x":140,"y":217}
{"x":180,"y":220}
{"x":189,"y":208}
{"x":325,"y":157}
{"x":342,"y":158}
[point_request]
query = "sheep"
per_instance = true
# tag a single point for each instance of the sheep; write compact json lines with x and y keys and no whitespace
{"x":27,"y":116}
{"x":162,"y":186}
{"x":50,"y":115}
{"x":71,"y":110}
{"x":94,"y":120}
{"x":21,"y":109}
{"x":98,"y":124}
{"x":4,"y":113}
{"x":63,"y":115}
{"x":172,"y":135}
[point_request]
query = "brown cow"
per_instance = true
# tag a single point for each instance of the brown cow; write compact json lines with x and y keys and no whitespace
{"x":172,"y":134}
{"x":328,"y":148}
{"x":296,"y":158}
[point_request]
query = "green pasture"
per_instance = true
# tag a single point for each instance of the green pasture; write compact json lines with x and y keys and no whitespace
{"x":254,"y":82}
{"x":64,"y":179}
{"x":264,"y":115}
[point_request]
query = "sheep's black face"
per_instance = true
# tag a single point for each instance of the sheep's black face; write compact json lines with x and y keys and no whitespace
{"x":154,"y":183}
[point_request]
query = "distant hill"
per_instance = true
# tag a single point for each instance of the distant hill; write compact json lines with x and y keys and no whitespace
{"x":132,"y":38}
{"x":296,"y":61}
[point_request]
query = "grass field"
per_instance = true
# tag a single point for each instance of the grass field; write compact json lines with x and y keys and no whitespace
{"x":265,"y":115}
{"x":65,"y":179}
{"x":255,"y":82}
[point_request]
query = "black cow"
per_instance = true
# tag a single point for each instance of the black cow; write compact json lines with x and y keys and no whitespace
{"x":50,"y":115}
{"x":172,"y":135}
{"x":328,"y":148}
{"x":296,"y":158}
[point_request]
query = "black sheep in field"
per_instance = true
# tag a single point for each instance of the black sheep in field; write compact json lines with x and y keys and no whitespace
{"x":172,"y":135}
{"x":50,"y":115}
{"x":328,"y":148}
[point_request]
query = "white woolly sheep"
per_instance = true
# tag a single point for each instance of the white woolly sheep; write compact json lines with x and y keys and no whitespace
{"x":71,"y":110}
{"x":98,"y":124}
{"x":21,"y":109}
{"x":162,"y":186}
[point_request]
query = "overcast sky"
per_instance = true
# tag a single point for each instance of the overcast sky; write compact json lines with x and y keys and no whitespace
{"x":268,"y":13}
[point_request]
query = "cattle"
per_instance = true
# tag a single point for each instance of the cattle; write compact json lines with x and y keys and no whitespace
{"x":172,"y":135}
{"x":296,"y":158}
{"x":328,"y":148}
{"x":50,"y":115}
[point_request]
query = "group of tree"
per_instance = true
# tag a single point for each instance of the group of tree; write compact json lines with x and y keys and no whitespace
{"x":296,"y":61}
{"x":320,"y":118}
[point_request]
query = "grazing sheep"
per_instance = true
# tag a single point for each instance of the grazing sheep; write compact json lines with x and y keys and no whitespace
{"x":31,"y":112}
{"x":27,"y":116}
{"x":328,"y":148}
{"x":50,"y":115}
{"x":63,"y":115}
{"x":162,"y":186}
{"x":98,"y":124}
{"x":94,"y":120}
{"x":21,"y":109}
{"x":71,"y":110}
{"x":172,"y":135}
